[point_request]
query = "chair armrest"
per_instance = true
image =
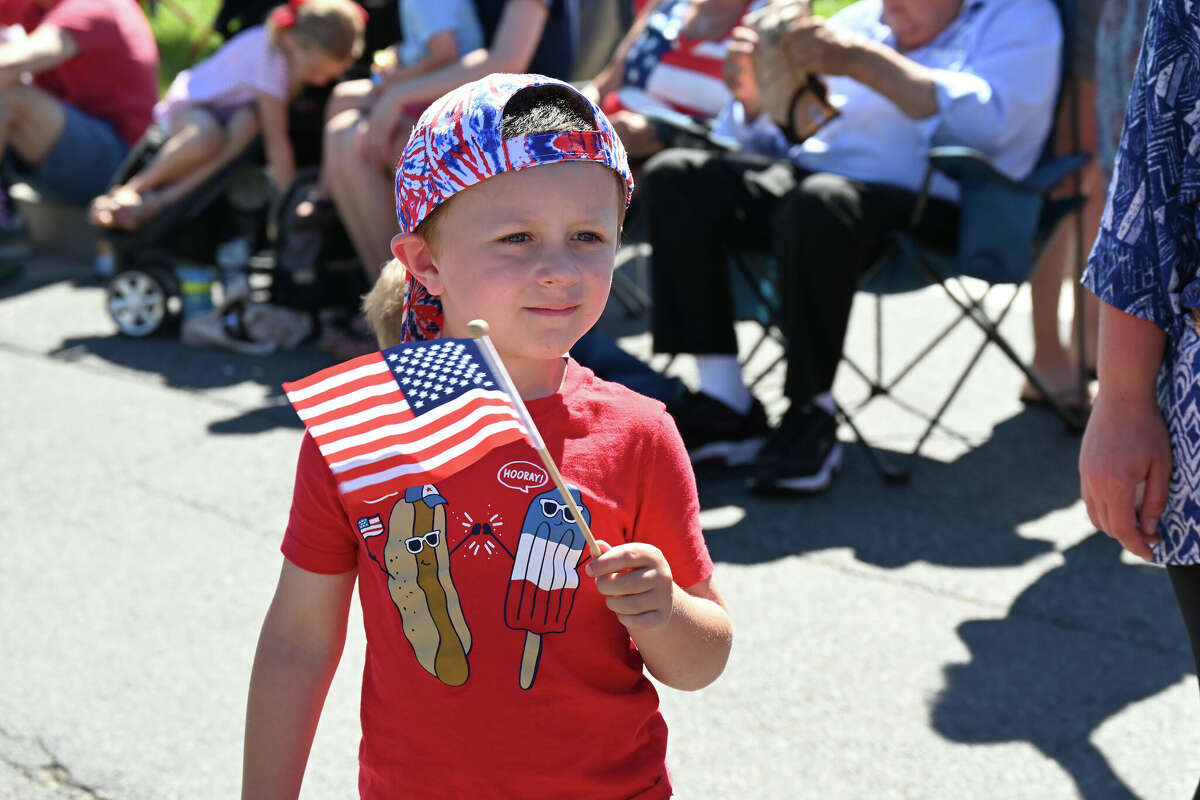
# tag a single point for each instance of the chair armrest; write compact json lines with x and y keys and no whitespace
{"x":1054,"y":172}
{"x":969,"y":167}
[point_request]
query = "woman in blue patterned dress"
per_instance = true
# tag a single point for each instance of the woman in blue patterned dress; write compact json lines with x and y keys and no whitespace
{"x":1144,"y":269}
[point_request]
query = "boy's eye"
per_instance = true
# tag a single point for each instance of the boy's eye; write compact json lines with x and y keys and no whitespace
{"x":588,"y":236}
{"x":516,"y":238}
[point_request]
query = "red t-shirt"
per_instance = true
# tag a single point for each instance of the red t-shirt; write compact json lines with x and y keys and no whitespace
{"x":448,"y":628}
{"x":114,"y":74}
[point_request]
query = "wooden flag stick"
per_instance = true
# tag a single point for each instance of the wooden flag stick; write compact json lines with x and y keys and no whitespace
{"x":479,"y":329}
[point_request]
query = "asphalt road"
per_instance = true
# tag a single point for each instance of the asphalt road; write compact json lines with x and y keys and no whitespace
{"x":966,"y":636}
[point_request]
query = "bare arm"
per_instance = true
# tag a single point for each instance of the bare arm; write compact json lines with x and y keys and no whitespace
{"x":441,"y":48}
{"x":1126,"y":443}
{"x":903,"y":81}
{"x":684,"y":635}
{"x":48,"y":46}
{"x":511,"y":50}
{"x":816,"y":47}
{"x":298,"y":651}
{"x":272,"y":120}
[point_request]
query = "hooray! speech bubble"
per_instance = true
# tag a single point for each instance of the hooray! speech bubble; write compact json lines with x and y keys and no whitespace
{"x":524,"y":476}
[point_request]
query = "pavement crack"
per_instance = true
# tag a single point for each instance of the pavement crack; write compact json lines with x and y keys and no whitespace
{"x":34,"y":760}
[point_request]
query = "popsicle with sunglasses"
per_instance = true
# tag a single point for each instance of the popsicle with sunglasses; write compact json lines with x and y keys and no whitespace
{"x":541,"y":591}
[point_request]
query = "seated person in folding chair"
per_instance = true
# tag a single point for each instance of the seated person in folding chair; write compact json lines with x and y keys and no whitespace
{"x":905,"y":75}
{"x":93,"y":91}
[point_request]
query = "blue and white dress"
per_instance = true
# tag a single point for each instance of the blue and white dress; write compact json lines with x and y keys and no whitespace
{"x":1146,"y":258}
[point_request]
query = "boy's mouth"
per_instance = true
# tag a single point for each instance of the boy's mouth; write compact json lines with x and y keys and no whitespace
{"x":554,"y":309}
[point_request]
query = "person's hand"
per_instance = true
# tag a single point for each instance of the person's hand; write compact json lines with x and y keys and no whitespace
{"x":637,"y":585}
{"x":1125,"y":450}
{"x":739,"y":70}
{"x":812,"y":46}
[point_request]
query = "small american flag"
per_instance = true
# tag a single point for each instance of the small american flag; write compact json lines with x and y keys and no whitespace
{"x":419,"y":411}
{"x":370,"y":526}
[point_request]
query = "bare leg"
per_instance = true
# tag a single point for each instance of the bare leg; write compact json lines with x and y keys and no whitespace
{"x":238,"y":133}
{"x":1052,"y":360}
{"x":31,"y":121}
{"x":195,"y":135}
{"x":362,"y":193}
{"x":354,"y":95}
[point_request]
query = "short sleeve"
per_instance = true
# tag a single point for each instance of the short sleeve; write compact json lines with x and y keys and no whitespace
{"x":318,"y":536}
{"x":668,"y":509}
{"x":88,"y":25}
{"x":429,"y":19}
{"x":266,"y":68}
{"x":1143,"y":261}
{"x":999,"y":93}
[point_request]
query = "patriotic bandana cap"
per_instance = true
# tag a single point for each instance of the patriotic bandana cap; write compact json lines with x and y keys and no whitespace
{"x":457,"y":143}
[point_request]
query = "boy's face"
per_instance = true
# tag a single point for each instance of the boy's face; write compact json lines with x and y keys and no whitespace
{"x":530,"y":251}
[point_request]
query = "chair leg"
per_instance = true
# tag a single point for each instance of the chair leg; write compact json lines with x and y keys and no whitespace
{"x":889,"y":473}
{"x":974,"y":310}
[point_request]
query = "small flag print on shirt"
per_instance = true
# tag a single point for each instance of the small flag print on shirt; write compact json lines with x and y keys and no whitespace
{"x":418,"y":412}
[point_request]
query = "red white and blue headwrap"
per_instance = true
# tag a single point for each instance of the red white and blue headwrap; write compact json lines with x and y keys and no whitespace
{"x":457,"y":142}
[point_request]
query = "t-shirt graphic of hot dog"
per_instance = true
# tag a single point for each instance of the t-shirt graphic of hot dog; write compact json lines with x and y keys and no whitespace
{"x":417,"y":562}
{"x":545,"y":575}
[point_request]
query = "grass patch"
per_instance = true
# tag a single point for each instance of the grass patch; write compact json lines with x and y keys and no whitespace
{"x":179,"y":39}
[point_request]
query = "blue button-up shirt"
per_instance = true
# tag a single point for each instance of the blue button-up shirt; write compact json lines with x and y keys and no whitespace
{"x":996,"y":68}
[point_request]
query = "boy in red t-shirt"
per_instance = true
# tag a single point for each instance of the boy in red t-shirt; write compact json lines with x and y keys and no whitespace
{"x":487,"y":675}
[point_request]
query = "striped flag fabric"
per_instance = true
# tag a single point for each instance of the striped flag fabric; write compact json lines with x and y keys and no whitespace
{"x":418,"y":412}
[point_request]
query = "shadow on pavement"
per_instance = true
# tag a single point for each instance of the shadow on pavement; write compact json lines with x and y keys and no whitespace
{"x":202,"y":369}
{"x":1028,"y":682}
{"x":964,"y":513}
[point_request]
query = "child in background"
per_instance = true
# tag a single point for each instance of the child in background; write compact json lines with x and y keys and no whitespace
{"x":214,"y":110}
{"x":510,"y":198}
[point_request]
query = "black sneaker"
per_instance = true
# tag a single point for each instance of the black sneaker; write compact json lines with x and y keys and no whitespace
{"x":715,"y":433}
{"x":802,"y":456}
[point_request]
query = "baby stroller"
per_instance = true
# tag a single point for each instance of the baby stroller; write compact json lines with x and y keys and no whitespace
{"x":234,"y":222}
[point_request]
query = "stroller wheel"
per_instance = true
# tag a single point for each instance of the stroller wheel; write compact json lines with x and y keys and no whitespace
{"x":141,"y":300}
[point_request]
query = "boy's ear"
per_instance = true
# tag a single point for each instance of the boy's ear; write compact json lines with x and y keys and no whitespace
{"x":414,"y":252}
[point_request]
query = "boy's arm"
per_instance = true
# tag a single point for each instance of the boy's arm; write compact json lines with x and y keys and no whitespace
{"x":298,"y":652}
{"x":273,"y":122}
{"x":684,"y":635}
{"x":1126,"y":442}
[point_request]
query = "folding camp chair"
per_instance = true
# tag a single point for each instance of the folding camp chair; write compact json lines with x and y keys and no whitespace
{"x":1004,"y":224}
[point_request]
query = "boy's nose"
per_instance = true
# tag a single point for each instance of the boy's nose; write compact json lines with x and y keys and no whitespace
{"x":559,"y":269}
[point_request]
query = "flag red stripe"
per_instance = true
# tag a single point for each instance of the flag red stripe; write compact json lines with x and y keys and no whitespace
{"x":329,"y":372}
{"x":357,"y":408}
{"x":425,"y":454}
{"x":414,"y":431}
{"x":452,"y":466}
{"x":383,"y":379}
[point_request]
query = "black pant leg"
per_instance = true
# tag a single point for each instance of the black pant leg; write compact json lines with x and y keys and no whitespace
{"x":1185,"y":580}
{"x":828,"y":232}
{"x":697,"y":205}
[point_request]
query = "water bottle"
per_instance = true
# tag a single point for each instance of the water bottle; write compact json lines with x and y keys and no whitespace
{"x":233,"y":258}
